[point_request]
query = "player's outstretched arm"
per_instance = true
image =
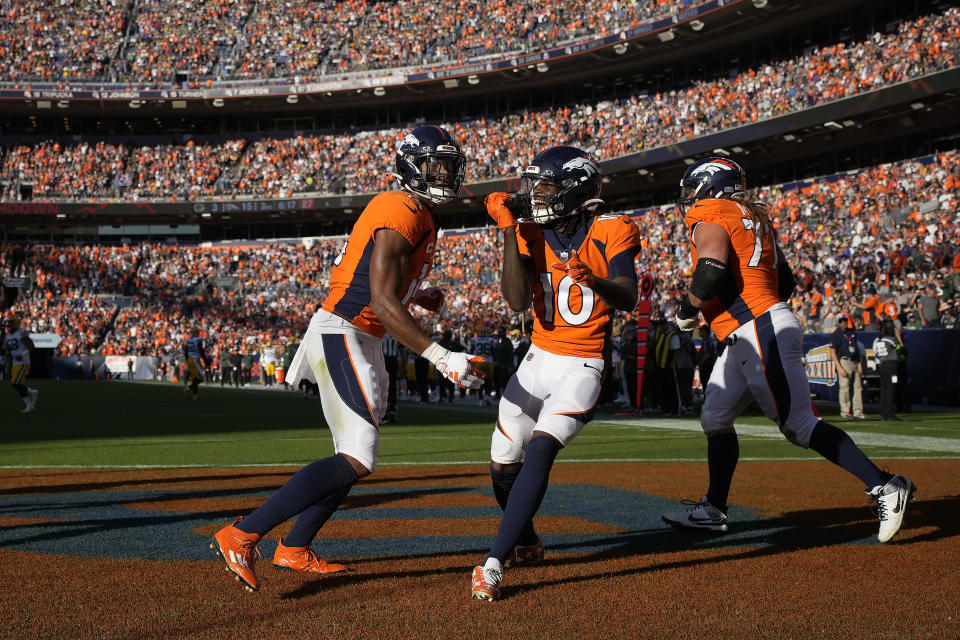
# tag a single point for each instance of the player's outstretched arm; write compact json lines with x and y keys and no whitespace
{"x":388,"y":264}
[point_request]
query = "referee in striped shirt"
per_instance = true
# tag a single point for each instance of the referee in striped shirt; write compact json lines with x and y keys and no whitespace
{"x":391,"y":355}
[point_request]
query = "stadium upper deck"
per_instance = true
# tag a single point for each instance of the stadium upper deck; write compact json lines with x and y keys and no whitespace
{"x":160,"y":42}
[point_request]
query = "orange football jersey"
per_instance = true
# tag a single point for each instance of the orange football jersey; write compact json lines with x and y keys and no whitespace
{"x":570,"y":319}
{"x":752,"y":261}
{"x":349,"y":295}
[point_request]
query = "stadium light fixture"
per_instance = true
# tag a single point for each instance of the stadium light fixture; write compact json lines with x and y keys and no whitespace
{"x":666,"y":36}
{"x":720,"y":151}
{"x":178,"y":104}
{"x":63,"y":104}
{"x":737,"y":149}
{"x":473,"y":80}
{"x":451,"y":83}
{"x":643,"y":172}
{"x":848,"y":123}
{"x":379,"y":91}
{"x":789,"y":137}
{"x":833,"y":125}
{"x":688,"y":161}
{"x":543,"y":67}
{"x":621,"y":48}
{"x":696,"y":25}
{"x":916,"y":106}
{"x":293,"y":98}
{"x":44,"y":104}
{"x":217,"y":102}
{"x":760,"y":4}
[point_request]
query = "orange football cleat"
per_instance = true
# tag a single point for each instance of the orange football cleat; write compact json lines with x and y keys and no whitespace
{"x":485,"y":584}
{"x":238,"y":548}
{"x":302,"y":559}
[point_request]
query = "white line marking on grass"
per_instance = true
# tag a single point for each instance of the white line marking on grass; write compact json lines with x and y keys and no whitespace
{"x":436,"y":463}
{"x":862,"y":438}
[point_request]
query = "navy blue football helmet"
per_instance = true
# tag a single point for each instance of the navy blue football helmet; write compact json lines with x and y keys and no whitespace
{"x":560,"y":182}
{"x":431,"y":164}
{"x":712,"y":177}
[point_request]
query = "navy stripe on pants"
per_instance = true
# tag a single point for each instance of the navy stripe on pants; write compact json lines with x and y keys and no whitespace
{"x":773,"y":366}
{"x":344,"y":376}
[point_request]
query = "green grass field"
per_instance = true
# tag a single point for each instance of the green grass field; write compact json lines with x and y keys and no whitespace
{"x":123,"y":424}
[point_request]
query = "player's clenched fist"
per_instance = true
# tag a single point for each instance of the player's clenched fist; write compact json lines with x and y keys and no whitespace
{"x":457,"y":367}
{"x":577,"y":269}
{"x":497,"y":206}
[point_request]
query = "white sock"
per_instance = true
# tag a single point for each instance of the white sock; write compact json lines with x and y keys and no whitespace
{"x":493,"y":563}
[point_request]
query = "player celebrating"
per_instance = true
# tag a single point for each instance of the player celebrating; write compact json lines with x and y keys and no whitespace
{"x":17,"y":344}
{"x":741,"y":285}
{"x":388,"y":254}
{"x":576,"y":268}
{"x":194,"y":355}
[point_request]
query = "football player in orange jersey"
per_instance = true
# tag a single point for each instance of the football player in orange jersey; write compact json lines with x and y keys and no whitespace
{"x":741,"y":284}
{"x":576,"y":268}
{"x":388,"y":254}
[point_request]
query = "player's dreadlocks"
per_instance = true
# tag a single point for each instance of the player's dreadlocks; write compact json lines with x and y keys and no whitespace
{"x":758,"y":213}
{"x":568,"y":225}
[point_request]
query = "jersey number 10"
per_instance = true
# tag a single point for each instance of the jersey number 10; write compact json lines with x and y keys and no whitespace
{"x":569,"y":316}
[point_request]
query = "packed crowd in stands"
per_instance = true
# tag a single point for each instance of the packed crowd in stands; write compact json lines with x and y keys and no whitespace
{"x":859,"y":243}
{"x":495,"y":146}
{"x":149,"y":41}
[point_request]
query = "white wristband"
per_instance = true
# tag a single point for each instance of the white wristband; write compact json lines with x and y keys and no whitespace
{"x":435,"y":353}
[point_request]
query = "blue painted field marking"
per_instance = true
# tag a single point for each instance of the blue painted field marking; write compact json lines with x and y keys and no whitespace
{"x":99,"y":524}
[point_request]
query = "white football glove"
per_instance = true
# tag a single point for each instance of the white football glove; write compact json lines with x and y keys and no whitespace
{"x":688,"y":324}
{"x":457,"y":367}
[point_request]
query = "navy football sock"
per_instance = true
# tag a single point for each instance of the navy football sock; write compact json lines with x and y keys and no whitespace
{"x":526,"y":495}
{"x":313,"y":518}
{"x":836,"y":446}
{"x":502,"y":484}
{"x":312,"y":485}
{"x":723,"y":452}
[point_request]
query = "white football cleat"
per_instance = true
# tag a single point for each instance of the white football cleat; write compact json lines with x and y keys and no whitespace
{"x":891,"y":501}
{"x":703,"y":516}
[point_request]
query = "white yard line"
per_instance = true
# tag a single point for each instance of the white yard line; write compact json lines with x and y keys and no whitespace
{"x":438,"y":463}
{"x":862,"y":438}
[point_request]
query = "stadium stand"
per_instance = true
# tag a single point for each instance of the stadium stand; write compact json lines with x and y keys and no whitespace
{"x":151,"y":41}
{"x":497,"y":146}
{"x":894,"y":227}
